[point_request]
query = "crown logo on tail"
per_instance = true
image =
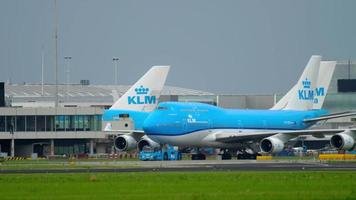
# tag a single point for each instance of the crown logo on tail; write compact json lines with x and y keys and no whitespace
{"x":306,"y":83}
{"x":141,"y":90}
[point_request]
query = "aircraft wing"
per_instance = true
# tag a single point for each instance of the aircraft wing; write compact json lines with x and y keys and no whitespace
{"x":236,"y":137}
{"x":331,"y":116}
{"x":109,"y":131}
{"x":139,"y":133}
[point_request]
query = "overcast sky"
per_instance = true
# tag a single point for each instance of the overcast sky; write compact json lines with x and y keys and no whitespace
{"x":218,"y":46}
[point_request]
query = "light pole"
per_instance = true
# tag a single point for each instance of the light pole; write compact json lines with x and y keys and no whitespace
{"x":115,"y":60}
{"x":67,"y":59}
{"x":42,"y":71}
{"x":12,"y":148}
{"x":56,"y":50}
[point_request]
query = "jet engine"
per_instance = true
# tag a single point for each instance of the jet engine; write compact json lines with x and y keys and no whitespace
{"x":125,"y":143}
{"x":146,"y":141}
{"x":342,"y":141}
{"x":271,"y":145}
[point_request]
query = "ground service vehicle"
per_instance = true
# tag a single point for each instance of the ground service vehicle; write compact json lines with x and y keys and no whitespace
{"x":166,"y":153}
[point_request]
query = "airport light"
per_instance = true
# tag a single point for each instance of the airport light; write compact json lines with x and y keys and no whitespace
{"x":116,"y":61}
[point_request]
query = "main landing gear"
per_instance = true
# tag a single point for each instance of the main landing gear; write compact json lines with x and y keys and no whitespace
{"x":198,"y":155}
{"x":247,"y":155}
{"x":226,"y":155}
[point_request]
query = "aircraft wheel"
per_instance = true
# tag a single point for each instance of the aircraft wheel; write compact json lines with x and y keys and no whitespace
{"x":226,"y":156}
{"x":198,"y":157}
{"x":247,"y":156}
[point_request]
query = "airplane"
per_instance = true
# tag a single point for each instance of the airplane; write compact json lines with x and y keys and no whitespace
{"x":132,"y":108}
{"x":235,"y":130}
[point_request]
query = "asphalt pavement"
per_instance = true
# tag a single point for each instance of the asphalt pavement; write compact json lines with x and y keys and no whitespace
{"x":194,"y":166}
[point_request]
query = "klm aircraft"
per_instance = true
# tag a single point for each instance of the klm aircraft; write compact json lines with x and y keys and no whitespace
{"x":202,"y":125}
{"x":132,"y":108}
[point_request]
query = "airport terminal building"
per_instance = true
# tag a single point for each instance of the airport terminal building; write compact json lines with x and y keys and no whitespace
{"x":31,"y":123}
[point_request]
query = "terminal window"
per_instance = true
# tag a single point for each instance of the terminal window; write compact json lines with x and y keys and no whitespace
{"x":50,"y":123}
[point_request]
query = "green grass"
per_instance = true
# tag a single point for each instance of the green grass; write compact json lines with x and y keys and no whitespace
{"x":202,"y":185}
{"x":64,"y":166}
{"x":60,"y":160}
{"x":46,"y":164}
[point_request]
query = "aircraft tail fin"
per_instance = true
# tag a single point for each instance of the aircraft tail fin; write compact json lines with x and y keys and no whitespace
{"x":282,"y":103}
{"x":326,"y":72}
{"x":144,"y":94}
{"x":301,"y":96}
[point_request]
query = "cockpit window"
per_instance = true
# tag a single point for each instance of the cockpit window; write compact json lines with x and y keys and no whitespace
{"x":162,"y":108}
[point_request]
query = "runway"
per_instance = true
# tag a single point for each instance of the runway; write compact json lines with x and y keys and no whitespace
{"x":193,"y":166}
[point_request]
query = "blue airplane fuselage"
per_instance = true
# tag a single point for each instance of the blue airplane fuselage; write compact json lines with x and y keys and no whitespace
{"x":176,"y":118}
